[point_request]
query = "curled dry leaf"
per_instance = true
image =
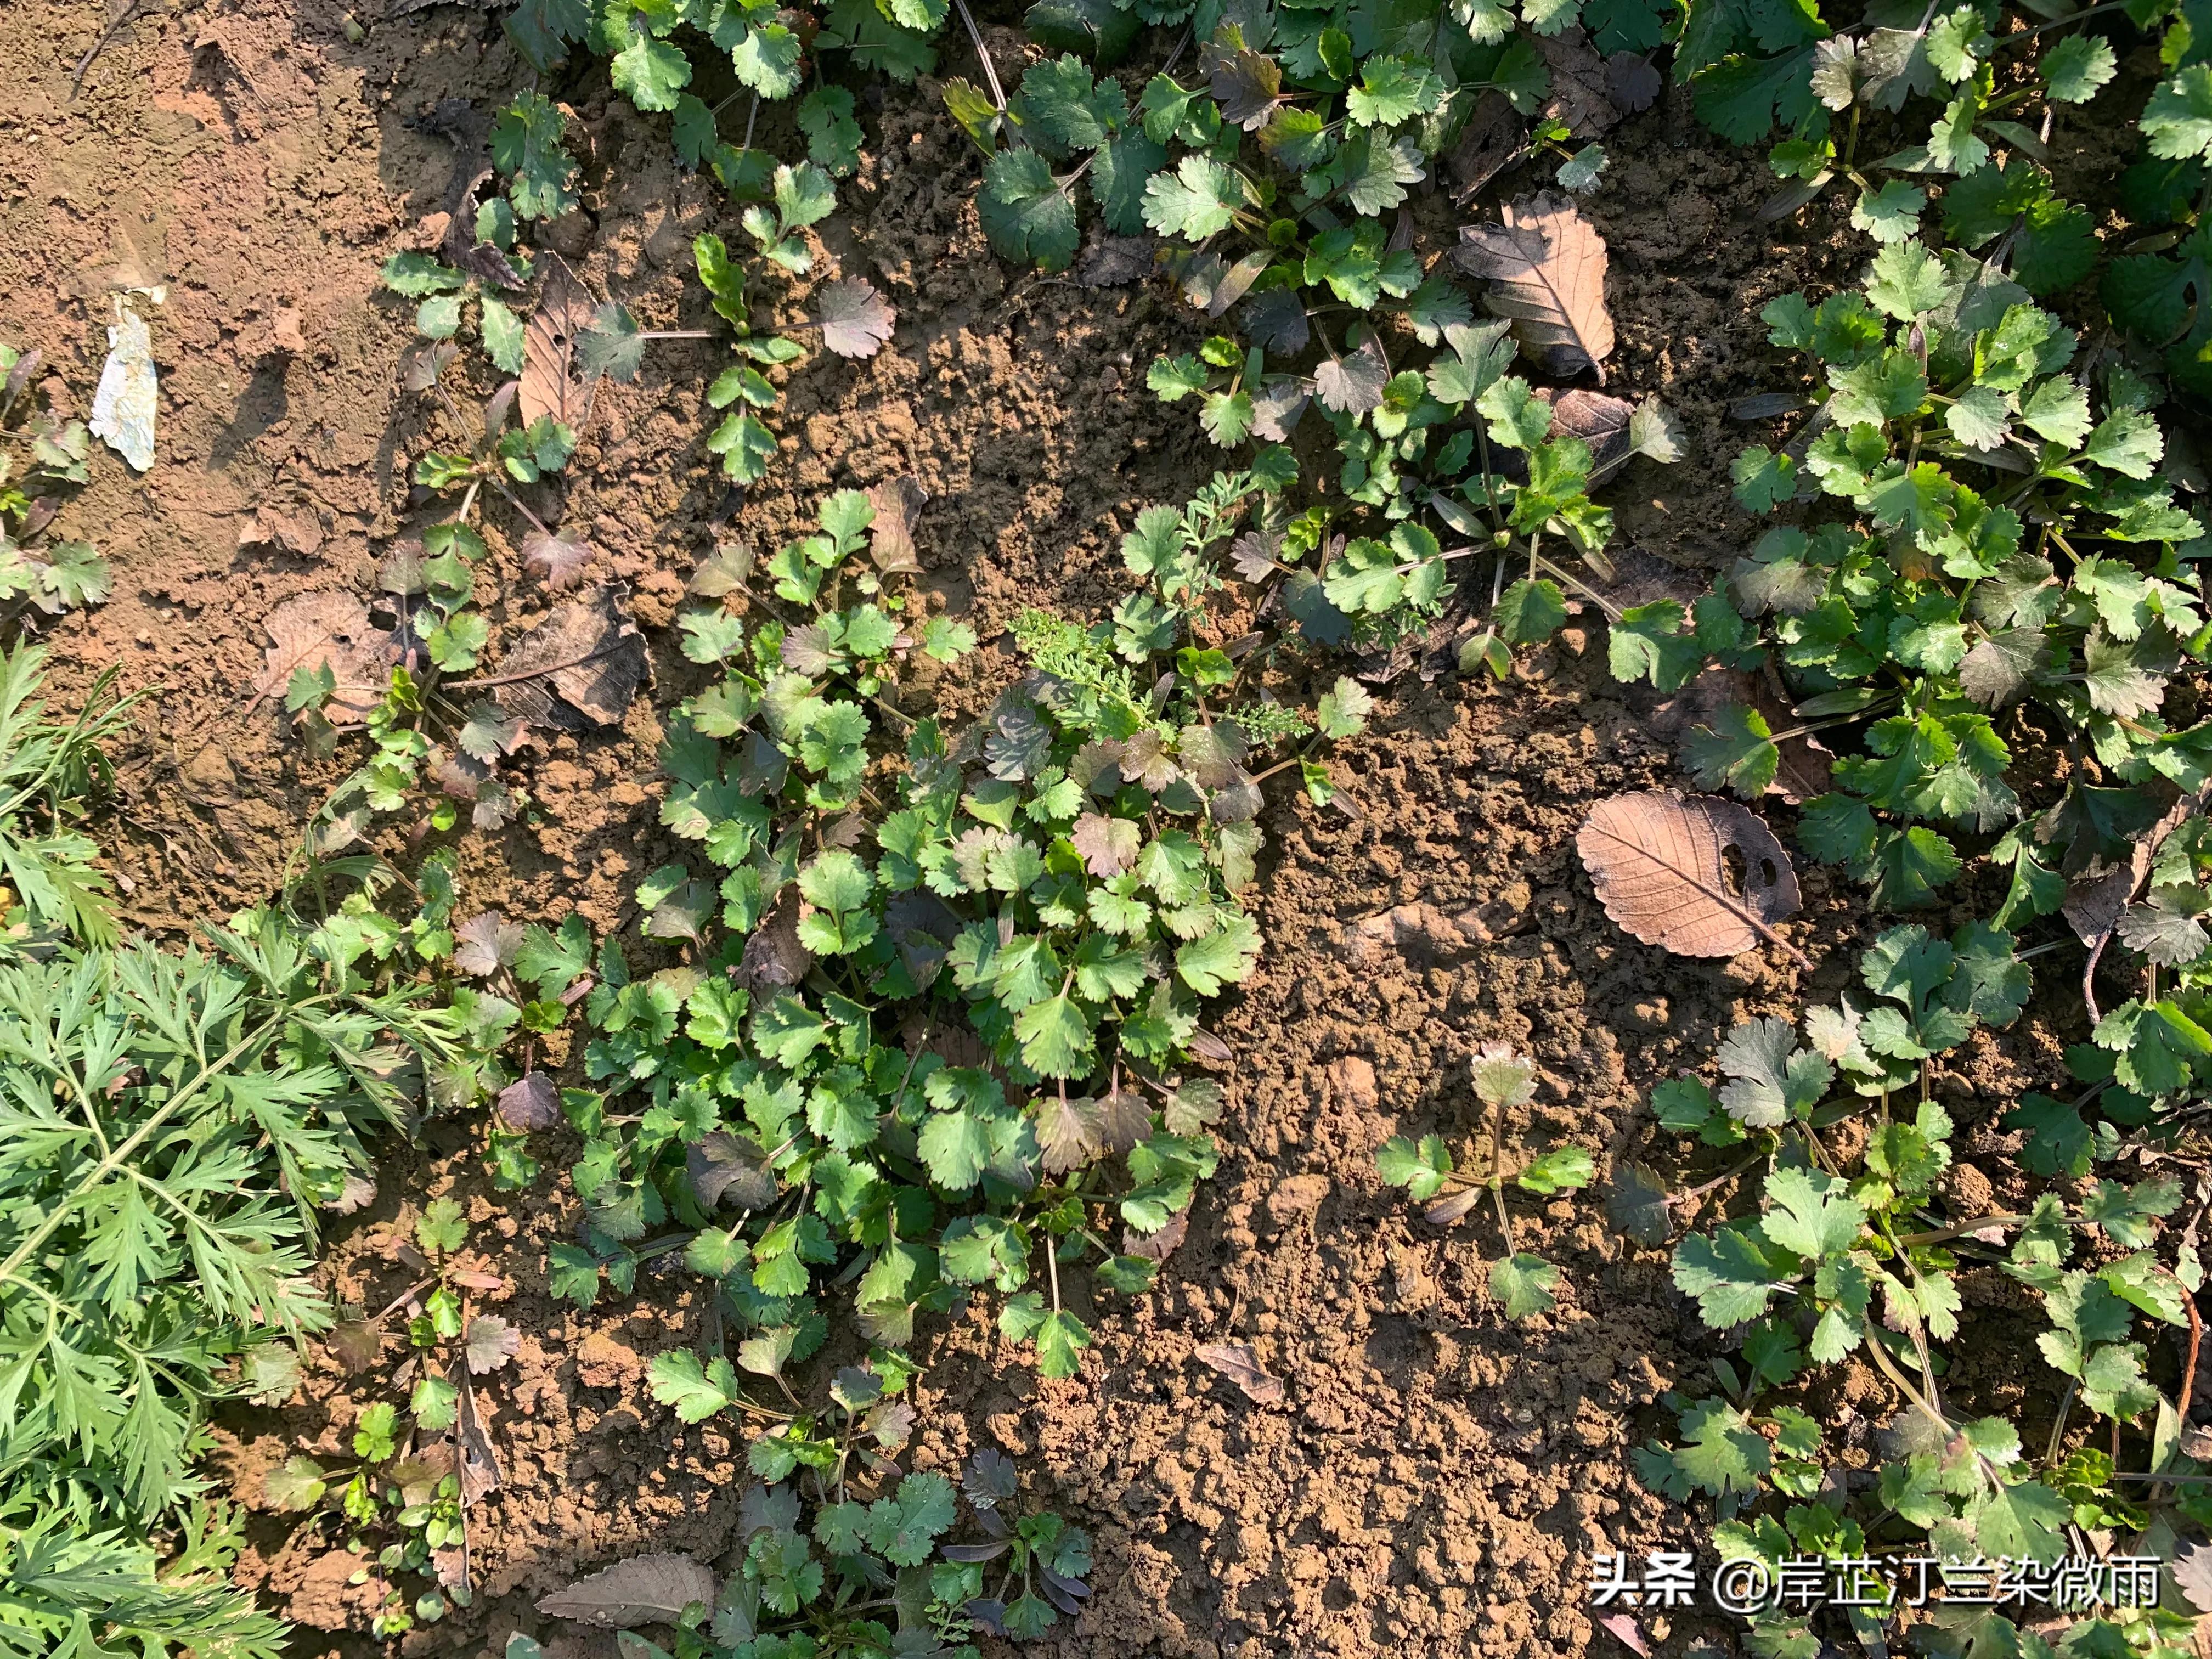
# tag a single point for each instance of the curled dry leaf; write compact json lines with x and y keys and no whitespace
{"x":579,"y":667}
{"x":550,"y":384}
{"x":297,"y":530}
{"x":856,"y":319}
{"x":1546,"y":270}
{"x":529,"y":1102}
{"x":329,"y":629}
{"x":897,"y":502}
{"x":1242,"y":1366}
{"x":1600,"y":421}
{"x":1660,"y":864}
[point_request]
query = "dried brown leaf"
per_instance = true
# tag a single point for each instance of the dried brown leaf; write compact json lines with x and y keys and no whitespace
{"x":485,"y":944}
{"x":1494,"y":138}
{"x":1247,"y":84}
{"x":297,"y":530}
{"x":897,"y":502}
{"x":856,"y":319}
{"x":1634,"y":84}
{"x":1659,"y":862}
{"x":646,"y":1590}
{"x":1159,"y":1246}
{"x":726,"y":570}
{"x":1107,"y":846}
{"x":1066,"y":1131}
{"x":1581,"y":92}
{"x":354,"y":1344}
{"x":1352,"y":383}
{"x":579,"y":667}
{"x":724,"y":1170}
{"x":1546,"y":265}
{"x":1599,"y":421}
{"x":550,"y":384}
{"x":492,"y":1342}
{"x":1242,"y":1366}
{"x":355,"y":1194}
{"x":333,"y":630}
{"x":775,"y":959}
{"x":561,"y":558}
{"x":529,"y":1102}
{"x":1115,"y":261}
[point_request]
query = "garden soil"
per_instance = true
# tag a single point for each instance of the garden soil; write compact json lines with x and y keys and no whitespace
{"x":1435,"y":1478}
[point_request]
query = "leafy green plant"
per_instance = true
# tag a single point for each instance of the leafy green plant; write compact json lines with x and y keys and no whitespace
{"x":1505,"y":1081}
{"x":917,"y":1070}
{"x":1848,"y":1253}
{"x":34,"y":569}
{"x":174,"y":1122}
{"x":1996,"y":536}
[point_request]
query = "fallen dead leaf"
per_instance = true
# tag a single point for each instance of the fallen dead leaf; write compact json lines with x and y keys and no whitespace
{"x":579,"y":667}
{"x":890,"y":538}
{"x":1658,"y":861}
{"x":296,"y":532}
{"x":550,"y":384}
{"x":1546,"y":267}
{"x":1115,"y":261}
{"x":1242,"y":1366}
{"x":646,"y":1590}
{"x":1581,"y":94}
{"x":1492,"y":140}
{"x":332,"y":629}
{"x":856,"y":319}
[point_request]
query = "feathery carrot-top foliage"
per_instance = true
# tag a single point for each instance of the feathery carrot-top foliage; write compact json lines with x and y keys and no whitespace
{"x":169,"y":1122}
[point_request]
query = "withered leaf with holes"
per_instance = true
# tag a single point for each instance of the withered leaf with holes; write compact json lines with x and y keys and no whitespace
{"x":1546,"y":267}
{"x":329,"y":629}
{"x":891,"y":537}
{"x":529,"y":1102}
{"x":550,"y":384}
{"x":579,"y":667}
{"x":1237,"y":1361}
{"x":1659,"y":861}
{"x":856,"y":319}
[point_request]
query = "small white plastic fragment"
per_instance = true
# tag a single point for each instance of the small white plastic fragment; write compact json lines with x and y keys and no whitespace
{"x":122,"y":406}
